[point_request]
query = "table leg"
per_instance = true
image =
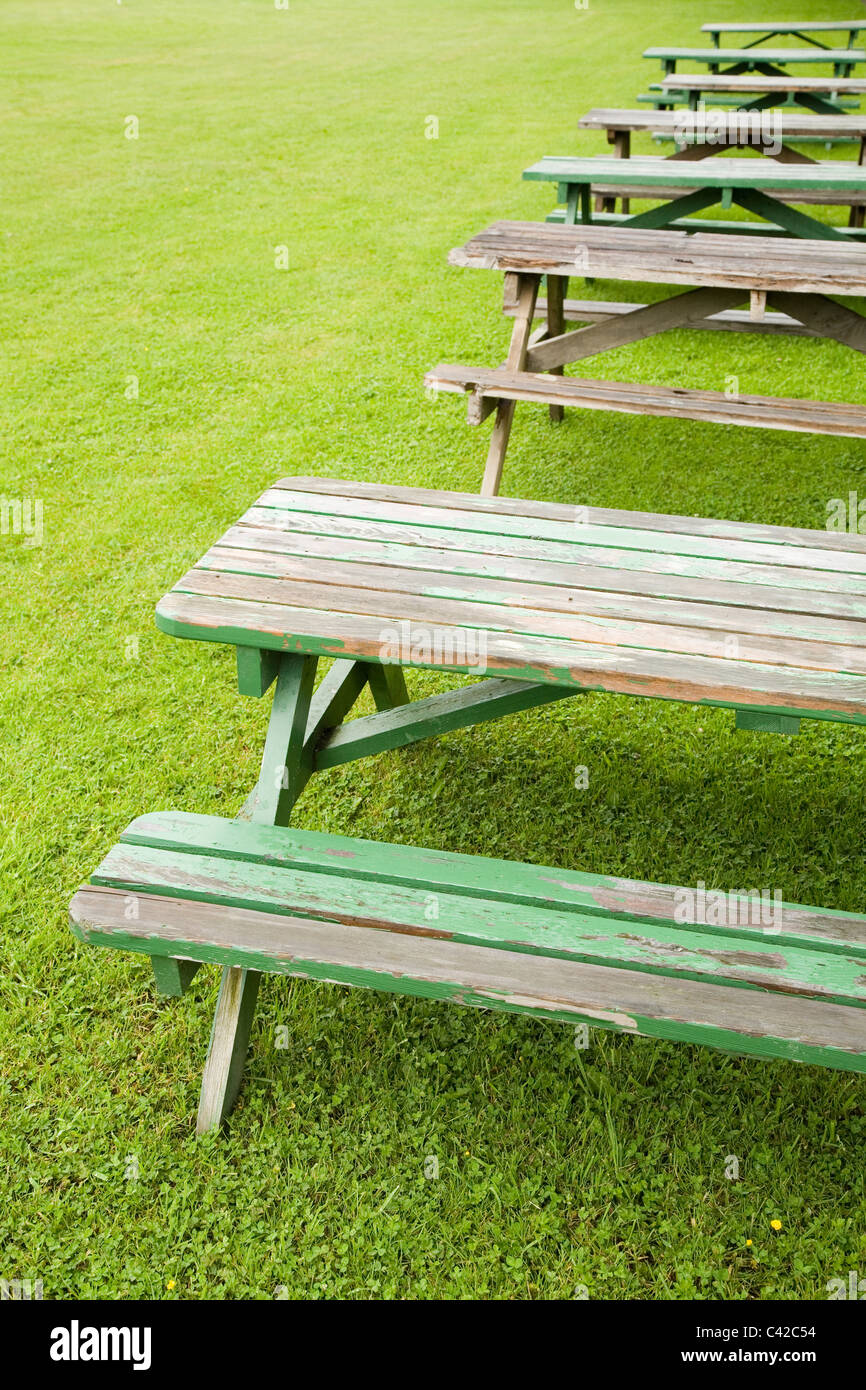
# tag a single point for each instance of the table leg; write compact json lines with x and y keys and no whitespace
{"x":227,"y":1051}
{"x":527,"y":293}
{"x":556,"y":288}
{"x":622,"y":150}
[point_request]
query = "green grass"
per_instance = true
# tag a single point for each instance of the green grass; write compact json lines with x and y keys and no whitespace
{"x":155,"y":259}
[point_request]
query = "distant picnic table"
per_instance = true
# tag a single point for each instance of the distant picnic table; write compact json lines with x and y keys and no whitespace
{"x":794,"y":279}
{"x":755,"y":92}
{"x":701,"y":133}
{"x":772,"y":29}
{"x":757,"y":184}
{"x":771,"y":61}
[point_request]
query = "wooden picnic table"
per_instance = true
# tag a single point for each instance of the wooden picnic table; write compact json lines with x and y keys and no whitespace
{"x":772,"y":29}
{"x":792,"y":278}
{"x":542,"y":602}
{"x":700,"y":133}
{"x":762,"y":186}
{"x":753,"y":92}
{"x":771,"y":61}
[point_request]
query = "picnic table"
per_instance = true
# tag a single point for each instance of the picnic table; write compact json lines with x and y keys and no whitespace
{"x":752,"y":92}
{"x":699,"y":133}
{"x":771,"y":61}
{"x":762,"y":186}
{"x":542,"y":602}
{"x":772,"y":29}
{"x":795,"y":279}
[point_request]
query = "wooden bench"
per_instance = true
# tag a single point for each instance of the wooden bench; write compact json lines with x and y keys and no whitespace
{"x":772,"y":62}
{"x":573,"y":948}
{"x":769,"y":621}
{"x":791,"y":279}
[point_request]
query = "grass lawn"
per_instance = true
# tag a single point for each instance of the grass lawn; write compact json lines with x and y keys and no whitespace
{"x":149,"y":264}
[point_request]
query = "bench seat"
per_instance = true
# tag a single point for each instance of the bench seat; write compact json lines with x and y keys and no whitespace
{"x":763,"y":412}
{"x":573,"y":947}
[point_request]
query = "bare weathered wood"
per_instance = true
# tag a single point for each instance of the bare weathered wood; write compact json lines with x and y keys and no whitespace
{"x":527,"y":293}
{"x":556,"y":286}
{"x":787,"y":123}
{"x":729,"y":320}
{"x":227,"y":1051}
{"x":484,"y":976}
{"x":668,"y":257}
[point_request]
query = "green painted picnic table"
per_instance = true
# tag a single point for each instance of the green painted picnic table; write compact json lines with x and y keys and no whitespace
{"x":770,"y":61}
{"x":772,"y":29}
{"x":753,"y":92}
{"x":758,"y":185}
{"x":541,"y":602}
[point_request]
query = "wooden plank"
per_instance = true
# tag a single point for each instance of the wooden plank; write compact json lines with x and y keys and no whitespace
{"x":582,"y":579}
{"x":755,"y":82}
{"x":761,"y":412}
{"x":559,"y":561}
{"x":669,"y":524}
{"x":427,"y":613}
{"x":499,"y":880}
{"x":577,"y":530}
{"x":702,"y":610}
{"x":787,"y":124}
{"x":620,"y":252}
{"x":759,"y":957}
{"x":577,"y":665}
{"x":759,"y":1022}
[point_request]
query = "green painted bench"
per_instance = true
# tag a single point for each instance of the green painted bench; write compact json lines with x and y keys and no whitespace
{"x":785,"y":981}
{"x":543,"y":602}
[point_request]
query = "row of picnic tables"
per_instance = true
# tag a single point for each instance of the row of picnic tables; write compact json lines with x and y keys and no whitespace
{"x":543,"y":602}
{"x":663,"y":220}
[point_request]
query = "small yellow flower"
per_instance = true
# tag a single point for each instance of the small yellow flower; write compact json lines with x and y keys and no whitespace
{"x":170,"y":1284}
{"x":748,"y":1242}
{"x":776,"y":1225}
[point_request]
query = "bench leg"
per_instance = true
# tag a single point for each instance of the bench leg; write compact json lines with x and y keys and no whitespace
{"x":227,"y":1051}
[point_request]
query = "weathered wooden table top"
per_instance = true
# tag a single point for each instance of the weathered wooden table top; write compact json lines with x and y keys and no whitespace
{"x":716,"y":171}
{"x":786,"y":123}
{"x":679,"y":608}
{"x":754,"y":82}
{"x":668,"y":257}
